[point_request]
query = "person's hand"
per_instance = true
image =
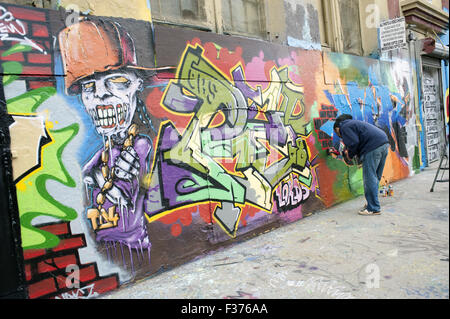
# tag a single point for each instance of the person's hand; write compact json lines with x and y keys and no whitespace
{"x":346,"y":157}
{"x":346,"y":154}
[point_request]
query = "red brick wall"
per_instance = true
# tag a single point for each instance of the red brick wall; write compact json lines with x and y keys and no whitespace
{"x":46,"y":273}
{"x":326,"y":113}
{"x":45,"y":269}
{"x":37,"y":66}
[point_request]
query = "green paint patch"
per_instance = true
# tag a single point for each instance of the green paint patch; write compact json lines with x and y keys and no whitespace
{"x":342,"y":185}
{"x":352,"y":69}
{"x":30,"y":101}
{"x":356,"y":181}
{"x":33,"y":197}
{"x":11,"y":69}
{"x":353,"y":74}
{"x":416,"y":159}
{"x":18,"y":48}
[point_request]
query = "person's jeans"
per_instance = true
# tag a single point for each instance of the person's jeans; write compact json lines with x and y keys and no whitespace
{"x":373,"y":165}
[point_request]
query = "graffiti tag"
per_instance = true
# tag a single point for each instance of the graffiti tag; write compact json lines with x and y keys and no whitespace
{"x":81,"y":293}
{"x":290,"y":193}
{"x":12,"y":29}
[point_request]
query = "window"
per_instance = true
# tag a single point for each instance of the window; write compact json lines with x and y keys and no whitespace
{"x":341,"y":24}
{"x":239,"y":17}
{"x":243,"y":17}
{"x":178,"y":10}
{"x":350,"y":24}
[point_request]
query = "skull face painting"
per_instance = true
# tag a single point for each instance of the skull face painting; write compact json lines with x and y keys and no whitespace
{"x":110,"y":100}
{"x":109,"y":83}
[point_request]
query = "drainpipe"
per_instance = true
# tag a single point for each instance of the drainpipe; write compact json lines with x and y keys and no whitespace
{"x":12,"y":275}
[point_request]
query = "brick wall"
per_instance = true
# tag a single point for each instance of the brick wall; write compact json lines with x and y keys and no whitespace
{"x":326,"y":113}
{"x":46,"y":269}
{"x":37,"y":66}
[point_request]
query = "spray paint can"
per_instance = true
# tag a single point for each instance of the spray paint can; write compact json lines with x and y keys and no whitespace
{"x":385,"y":191}
{"x":391,"y":190}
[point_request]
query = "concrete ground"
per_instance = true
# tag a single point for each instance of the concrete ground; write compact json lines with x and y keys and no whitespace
{"x":402,"y":254}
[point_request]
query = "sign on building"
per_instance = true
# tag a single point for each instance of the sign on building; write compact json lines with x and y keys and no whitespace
{"x":392,"y":34}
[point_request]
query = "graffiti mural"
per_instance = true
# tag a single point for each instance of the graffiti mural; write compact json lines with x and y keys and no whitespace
{"x":148,"y":147}
{"x":377,"y":94}
{"x":108,"y":83}
{"x":261,"y":133}
{"x":132,"y":155}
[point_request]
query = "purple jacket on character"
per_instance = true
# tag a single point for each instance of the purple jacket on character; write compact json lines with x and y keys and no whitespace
{"x":130,"y":230}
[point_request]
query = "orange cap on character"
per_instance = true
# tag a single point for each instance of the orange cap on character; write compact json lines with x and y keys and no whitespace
{"x":90,"y":47}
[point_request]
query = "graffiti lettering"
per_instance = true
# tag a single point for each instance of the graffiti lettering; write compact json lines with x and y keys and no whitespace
{"x":290,"y":193}
{"x":102,"y":219}
{"x":82,"y":293}
{"x":239,"y":159}
{"x":12,"y":29}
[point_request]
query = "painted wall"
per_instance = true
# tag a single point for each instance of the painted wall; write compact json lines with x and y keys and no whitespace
{"x":302,"y":24}
{"x":125,"y":167}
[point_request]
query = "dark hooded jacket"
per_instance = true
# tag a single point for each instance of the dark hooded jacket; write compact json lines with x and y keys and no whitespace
{"x":361,"y":137}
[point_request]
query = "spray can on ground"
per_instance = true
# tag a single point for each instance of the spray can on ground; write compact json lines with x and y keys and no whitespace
{"x":391,"y":190}
{"x":384,"y":191}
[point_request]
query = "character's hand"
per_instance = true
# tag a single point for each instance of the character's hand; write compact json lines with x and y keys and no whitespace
{"x":127,"y":165}
{"x":114,"y":194}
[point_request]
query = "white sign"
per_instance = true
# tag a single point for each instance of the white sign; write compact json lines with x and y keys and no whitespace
{"x":392,"y":34}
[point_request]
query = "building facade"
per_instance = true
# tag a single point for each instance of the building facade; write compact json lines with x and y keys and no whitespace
{"x":139,"y":136}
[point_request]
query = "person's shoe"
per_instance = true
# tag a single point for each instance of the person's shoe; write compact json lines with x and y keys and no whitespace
{"x":363,"y":209}
{"x":368,"y":213}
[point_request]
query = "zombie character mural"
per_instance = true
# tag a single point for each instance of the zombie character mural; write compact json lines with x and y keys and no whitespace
{"x":101,"y":67}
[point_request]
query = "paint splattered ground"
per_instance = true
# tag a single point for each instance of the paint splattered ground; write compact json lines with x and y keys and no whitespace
{"x":331,"y":254}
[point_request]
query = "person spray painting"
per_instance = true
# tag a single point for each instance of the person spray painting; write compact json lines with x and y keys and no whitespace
{"x":371,"y":145}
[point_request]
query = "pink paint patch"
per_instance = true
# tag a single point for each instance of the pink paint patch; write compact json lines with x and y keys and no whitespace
{"x":294,"y":67}
{"x":292,"y":215}
{"x":255,"y":72}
